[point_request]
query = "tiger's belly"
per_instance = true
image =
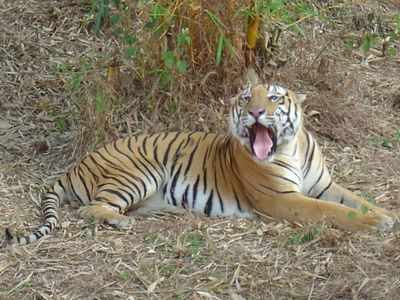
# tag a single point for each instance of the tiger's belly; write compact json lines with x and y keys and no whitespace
{"x":181,"y":199}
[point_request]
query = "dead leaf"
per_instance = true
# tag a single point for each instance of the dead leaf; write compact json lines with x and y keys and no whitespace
{"x":40,"y":147}
{"x":153,"y":286}
{"x":235,"y":296}
{"x":114,"y":77}
{"x":252,"y":31}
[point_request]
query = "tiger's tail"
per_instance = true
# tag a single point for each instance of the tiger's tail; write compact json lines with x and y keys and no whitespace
{"x":49,"y":207}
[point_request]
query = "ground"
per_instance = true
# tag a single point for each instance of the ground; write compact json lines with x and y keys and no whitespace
{"x":353,"y":107}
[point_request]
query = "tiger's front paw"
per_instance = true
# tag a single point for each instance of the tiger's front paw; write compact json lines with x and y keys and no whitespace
{"x":386,"y":223}
{"x":372,"y":221}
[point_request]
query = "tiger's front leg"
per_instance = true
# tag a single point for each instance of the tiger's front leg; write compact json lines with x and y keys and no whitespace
{"x":339,"y":194}
{"x":295,"y":207}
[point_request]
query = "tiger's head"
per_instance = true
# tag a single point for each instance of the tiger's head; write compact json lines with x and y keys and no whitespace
{"x":264,"y":117}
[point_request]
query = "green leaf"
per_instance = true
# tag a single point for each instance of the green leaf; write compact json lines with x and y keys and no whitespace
{"x":276,"y":5}
{"x":116,"y":3}
{"x":124,"y":275}
{"x":228,"y":45}
{"x":131,"y":52}
{"x":397,"y":26}
{"x":62,"y":67}
{"x":157,"y":12}
{"x":60,"y":124}
{"x":169,"y":58}
{"x":181,"y":66}
{"x":304,"y":236}
{"x":220,"y":49}
{"x":165,"y":77}
{"x":397,"y":135}
{"x":115,"y":19}
{"x":387,"y":144}
{"x":101,"y":12}
{"x":184,"y":38}
{"x":297,"y":29}
{"x":76,"y":80}
{"x":368,"y":42}
{"x":194,"y":241}
{"x":100,"y":103}
{"x":349,"y":43}
{"x":217,"y":22}
{"x":269,"y":7}
{"x":392,"y":51}
{"x":129,"y":39}
{"x":304,"y":9}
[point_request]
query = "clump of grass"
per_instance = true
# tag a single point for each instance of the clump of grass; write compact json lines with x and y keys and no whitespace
{"x":304,"y":235}
{"x":183,"y":52}
{"x":178,"y":41}
{"x":175,"y":49}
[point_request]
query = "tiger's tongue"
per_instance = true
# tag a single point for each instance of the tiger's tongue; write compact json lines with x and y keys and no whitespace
{"x":262,"y":142}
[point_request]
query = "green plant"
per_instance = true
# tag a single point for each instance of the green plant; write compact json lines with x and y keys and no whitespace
{"x":124,"y":275}
{"x":384,"y":141}
{"x":174,"y":61}
{"x":194,"y":241}
{"x":151,"y":238}
{"x":304,"y":235}
{"x":387,"y":143}
{"x":397,"y":135}
{"x":157,"y":16}
{"x":101,"y":12}
{"x":286,"y":14}
{"x":222,"y":38}
{"x":61,"y":123}
{"x":368,"y":41}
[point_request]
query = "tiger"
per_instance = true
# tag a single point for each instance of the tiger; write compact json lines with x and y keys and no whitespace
{"x":267,"y":166}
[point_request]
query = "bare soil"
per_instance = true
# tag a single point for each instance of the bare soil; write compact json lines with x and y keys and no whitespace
{"x":352,"y":107}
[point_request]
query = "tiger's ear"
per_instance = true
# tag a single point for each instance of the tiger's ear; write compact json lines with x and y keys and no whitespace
{"x":251,"y":77}
{"x":300,"y":98}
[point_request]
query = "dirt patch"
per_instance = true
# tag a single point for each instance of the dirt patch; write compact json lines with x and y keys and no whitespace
{"x":353,"y":108}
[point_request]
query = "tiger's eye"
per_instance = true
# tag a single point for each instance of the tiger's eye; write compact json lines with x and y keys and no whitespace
{"x":274,"y":98}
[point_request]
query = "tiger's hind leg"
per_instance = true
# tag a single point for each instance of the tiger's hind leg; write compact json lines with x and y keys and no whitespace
{"x":102,"y":212}
{"x":110,"y":203}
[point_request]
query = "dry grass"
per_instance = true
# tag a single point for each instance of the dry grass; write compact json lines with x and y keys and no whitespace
{"x":353,"y":108}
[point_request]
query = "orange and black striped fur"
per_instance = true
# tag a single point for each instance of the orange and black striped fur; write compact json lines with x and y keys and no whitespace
{"x":268,"y":165}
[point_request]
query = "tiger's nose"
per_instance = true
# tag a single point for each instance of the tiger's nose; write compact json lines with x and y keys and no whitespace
{"x":256,"y":112}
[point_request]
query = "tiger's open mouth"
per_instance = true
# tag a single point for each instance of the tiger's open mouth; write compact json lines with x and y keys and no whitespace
{"x":262,"y":141}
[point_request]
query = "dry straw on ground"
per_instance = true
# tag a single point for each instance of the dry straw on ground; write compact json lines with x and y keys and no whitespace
{"x":353,"y":108}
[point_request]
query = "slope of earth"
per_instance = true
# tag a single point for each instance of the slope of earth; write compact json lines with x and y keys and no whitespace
{"x":353,"y":108}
